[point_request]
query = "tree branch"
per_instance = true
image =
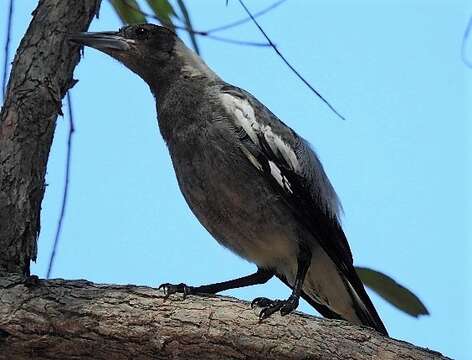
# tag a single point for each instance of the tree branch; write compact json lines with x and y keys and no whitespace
{"x":40,"y":77}
{"x":58,"y":319}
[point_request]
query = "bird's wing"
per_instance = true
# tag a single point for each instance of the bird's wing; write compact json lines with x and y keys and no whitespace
{"x":294,"y":171}
{"x":287,"y":162}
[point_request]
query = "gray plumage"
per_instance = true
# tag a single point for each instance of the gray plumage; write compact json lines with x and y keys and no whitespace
{"x":252,"y":182}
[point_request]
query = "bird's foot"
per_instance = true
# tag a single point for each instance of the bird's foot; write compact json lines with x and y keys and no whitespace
{"x":272,"y":306}
{"x":32,"y":281}
{"x":170,"y":289}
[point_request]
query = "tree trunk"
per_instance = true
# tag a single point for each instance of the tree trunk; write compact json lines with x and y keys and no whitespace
{"x":60,"y":319}
{"x":79,"y":320}
{"x":40,"y":77}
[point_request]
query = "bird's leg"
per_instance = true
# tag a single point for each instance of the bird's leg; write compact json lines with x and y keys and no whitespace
{"x":287,"y":306}
{"x":261,"y":276}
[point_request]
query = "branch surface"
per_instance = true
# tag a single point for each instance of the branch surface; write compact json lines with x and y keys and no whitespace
{"x":40,"y":77}
{"x":58,"y":319}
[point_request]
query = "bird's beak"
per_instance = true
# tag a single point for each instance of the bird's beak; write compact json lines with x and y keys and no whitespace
{"x":103,"y":41}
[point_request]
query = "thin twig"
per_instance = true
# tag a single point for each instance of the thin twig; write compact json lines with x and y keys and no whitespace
{"x":465,"y":38}
{"x":223,"y":39}
{"x":238,"y":42}
{"x":7,"y":47}
{"x":66,"y":185}
{"x":201,"y":33}
{"x":188,"y":23}
{"x":246,"y":19}
{"x":287,"y":63}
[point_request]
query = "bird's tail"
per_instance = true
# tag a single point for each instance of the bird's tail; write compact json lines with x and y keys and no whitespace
{"x":338,"y":296}
{"x":363,"y":306}
{"x":355,"y":306}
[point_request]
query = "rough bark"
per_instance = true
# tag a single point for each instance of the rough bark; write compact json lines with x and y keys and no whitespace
{"x":60,"y":319}
{"x":40,"y":77}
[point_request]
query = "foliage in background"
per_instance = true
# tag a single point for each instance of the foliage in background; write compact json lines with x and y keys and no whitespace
{"x":396,"y":294}
{"x":128,"y":11}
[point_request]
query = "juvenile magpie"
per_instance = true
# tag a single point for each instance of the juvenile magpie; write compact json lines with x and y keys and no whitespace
{"x":251,"y":181}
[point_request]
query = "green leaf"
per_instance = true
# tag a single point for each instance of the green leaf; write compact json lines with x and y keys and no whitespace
{"x":128,"y":11}
{"x":163,"y":11}
{"x":393,"y":292}
{"x":188,"y":25}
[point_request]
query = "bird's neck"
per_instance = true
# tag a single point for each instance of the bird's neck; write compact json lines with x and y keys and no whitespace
{"x":178,"y":103}
{"x":180,"y":88}
{"x":186,"y":71}
{"x":191,"y":64}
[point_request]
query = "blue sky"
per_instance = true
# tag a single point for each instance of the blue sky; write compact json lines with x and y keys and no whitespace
{"x":401,"y":162}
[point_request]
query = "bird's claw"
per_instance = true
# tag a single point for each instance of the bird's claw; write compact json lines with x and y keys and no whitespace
{"x":270,"y":307}
{"x":31,"y":281}
{"x":170,"y":289}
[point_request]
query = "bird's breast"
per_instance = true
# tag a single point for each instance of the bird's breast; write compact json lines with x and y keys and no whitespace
{"x":229,"y":197}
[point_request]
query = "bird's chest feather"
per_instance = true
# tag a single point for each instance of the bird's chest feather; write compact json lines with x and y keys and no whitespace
{"x":214,"y":177}
{"x":227,"y":194}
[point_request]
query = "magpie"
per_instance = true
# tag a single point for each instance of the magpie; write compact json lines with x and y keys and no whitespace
{"x":253,"y":182}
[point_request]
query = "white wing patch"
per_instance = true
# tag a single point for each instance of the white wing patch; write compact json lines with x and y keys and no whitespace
{"x":243,"y":114}
{"x":277,"y":175}
{"x":245,"y":118}
{"x":251,"y":158}
{"x":278,"y":146}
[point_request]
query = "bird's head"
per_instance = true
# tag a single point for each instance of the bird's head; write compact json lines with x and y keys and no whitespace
{"x":153,"y":52}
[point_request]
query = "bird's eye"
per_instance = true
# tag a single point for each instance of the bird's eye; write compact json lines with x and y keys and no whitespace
{"x":141,"y":33}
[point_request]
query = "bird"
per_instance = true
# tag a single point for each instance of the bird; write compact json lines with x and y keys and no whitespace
{"x":255,"y":184}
